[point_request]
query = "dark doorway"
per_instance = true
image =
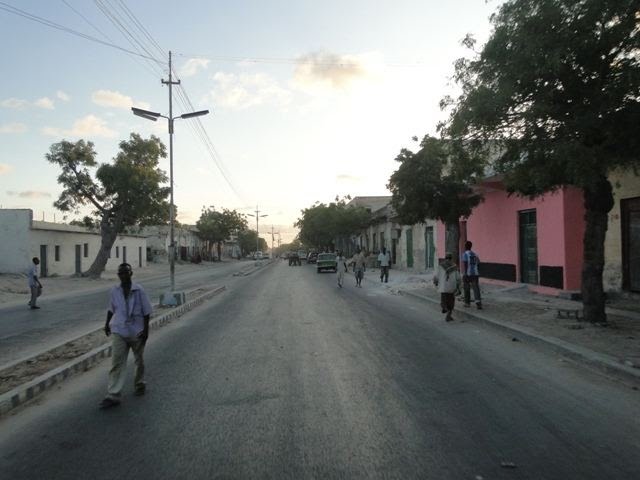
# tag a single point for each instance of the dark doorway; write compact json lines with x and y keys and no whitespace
{"x":78,"y":259}
{"x":528,"y":247}
{"x":139,"y":257}
{"x":429,"y":248}
{"x":409,"y":248}
{"x":630,"y":210}
{"x":44,"y":270}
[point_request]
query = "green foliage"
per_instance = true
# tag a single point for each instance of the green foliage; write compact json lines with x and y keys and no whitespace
{"x":435,"y":182}
{"x":558,"y":87}
{"x":215,"y":227}
{"x":124,"y":193}
{"x":247,"y":241}
{"x":321,"y":224}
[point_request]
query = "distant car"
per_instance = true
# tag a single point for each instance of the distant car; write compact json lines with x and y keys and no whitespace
{"x":326,"y":261}
{"x":312,"y":257}
{"x":258,"y":255}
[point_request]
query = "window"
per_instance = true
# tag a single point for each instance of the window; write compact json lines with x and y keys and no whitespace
{"x":57,"y":253}
{"x":86,"y":250}
{"x":117,"y":252}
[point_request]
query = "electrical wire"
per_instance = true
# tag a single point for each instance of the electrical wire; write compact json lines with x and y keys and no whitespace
{"x":35,"y":18}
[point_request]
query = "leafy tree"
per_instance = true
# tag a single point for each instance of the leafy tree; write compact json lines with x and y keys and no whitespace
{"x":247,"y":241}
{"x":126,"y":192}
{"x":435,"y":182}
{"x":558,"y":87}
{"x":215,"y":227}
{"x":321,"y":224}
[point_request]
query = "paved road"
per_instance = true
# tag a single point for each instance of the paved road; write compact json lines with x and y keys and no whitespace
{"x":286,"y":376}
{"x":25,"y":332}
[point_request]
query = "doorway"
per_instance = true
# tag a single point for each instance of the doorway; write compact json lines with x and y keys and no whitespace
{"x":78,"y":259}
{"x":429,"y":249}
{"x":630,"y":210}
{"x":528,"y":246}
{"x":44,"y":270}
{"x":409,"y":248}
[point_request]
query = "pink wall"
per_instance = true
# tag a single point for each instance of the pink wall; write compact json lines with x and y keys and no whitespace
{"x":493,"y":229}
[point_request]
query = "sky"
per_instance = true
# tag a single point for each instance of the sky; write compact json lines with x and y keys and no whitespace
{"x":308,"y":100}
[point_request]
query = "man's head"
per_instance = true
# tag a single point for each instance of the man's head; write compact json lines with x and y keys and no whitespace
{"x":125,"y":272}
{"x":468,"y":245}
{"x":448,"y":256}
{"x":35,"y":260}
{"x":384,"y":250}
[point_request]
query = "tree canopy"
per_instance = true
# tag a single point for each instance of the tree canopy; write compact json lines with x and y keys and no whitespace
{"x":321,"y":224}
{"x":436,"y":182}
{"x":216,"y":226}
{"x":127,"y":192}
{"x":557,"y":88}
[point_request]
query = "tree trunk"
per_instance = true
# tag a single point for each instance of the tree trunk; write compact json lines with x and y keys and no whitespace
{"x":598,"y":201}
{"x":109,"y":234}
{"x":452,"y":239}
{"x":219,"y":244}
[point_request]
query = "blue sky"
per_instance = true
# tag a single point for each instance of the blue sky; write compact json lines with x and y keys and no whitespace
{"x":308,"y":99}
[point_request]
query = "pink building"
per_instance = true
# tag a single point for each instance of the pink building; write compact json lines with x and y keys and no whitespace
{"x":537,"y":242}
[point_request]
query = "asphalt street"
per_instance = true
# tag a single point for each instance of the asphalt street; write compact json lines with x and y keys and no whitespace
{"x":25,"y":332}
{"x":285,"y":376}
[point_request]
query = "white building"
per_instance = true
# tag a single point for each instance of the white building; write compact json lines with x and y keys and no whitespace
{"x":62,"y":249}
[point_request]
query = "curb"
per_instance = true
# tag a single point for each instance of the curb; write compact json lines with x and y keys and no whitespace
{"x":601,"y":362}
{"x":30,"y":390}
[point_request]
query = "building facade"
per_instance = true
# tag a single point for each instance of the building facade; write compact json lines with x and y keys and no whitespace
{"x":62,"y":249}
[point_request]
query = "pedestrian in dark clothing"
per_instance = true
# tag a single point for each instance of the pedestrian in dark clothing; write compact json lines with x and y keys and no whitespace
{"x":470,"y":261}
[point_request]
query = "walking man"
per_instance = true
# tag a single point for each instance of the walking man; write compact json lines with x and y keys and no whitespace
{"x":35,"y":287}
{"x":447,"y":280}
{"x":359,"y":261}
{"x":341,"y":268}
{"x":385,"y":260}
{"x":128,"y":320}
{"x":470,"y":263}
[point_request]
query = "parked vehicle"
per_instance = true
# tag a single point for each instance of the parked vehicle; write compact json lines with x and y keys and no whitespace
{"x":327,"y":261}
{"x":312,"y":257}
{"x":258,"y":255}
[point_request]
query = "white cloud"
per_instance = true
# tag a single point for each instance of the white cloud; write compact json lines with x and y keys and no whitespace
{"x":89,"y":126}
{"x":4,"y":168}
{"x":63,"y":96}
{"x":247,"y":90}
{"x":13,"y":128}
{"x":108,"y":98}
{"x":322,"y":70}
{"x":15,"y":103}
{"x":29,"y":194}
{"x":191,"y":67}
{"x":45,"y":103}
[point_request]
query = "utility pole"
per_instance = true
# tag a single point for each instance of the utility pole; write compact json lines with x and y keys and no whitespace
{"x":272,"y":234}
{"x":172,"y":218}
{"x":258,"y":216}
{"x":153,"y":116}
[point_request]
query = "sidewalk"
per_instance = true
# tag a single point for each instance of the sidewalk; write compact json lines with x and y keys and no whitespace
{"x":527,"y":315}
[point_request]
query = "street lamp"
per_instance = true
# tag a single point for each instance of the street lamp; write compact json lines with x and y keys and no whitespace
{"x":258,"y":216}
{"x":153,"y":116}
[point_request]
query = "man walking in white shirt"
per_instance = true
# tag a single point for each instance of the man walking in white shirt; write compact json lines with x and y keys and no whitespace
{"x":128,"y":317}
{"x":35,"y":287}
{"x":384,"y":259}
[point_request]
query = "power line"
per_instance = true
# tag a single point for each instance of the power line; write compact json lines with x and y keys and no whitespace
{"x":21,"y":13}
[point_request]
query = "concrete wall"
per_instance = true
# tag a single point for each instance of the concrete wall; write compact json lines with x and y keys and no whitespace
{"x":493,"y":227}
{"x":626,"y":185}
{"x":52,"y":235}
{"x":15,"y":253}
